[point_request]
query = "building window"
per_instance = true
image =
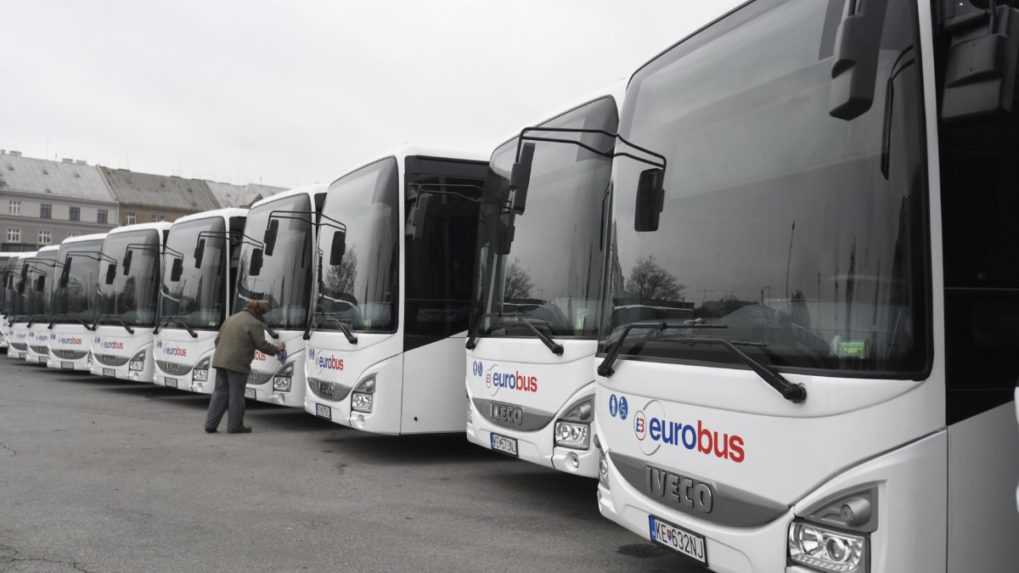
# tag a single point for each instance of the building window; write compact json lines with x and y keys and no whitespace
{"x":101,"y":216}
{"x":75,"y":214}
{"x":131,"y":219}
{"x":45,"y":211}
{"x":13,"y":235}
{"x":158,"y":217}
{"x":14,"y":207}
{"x":44,"y":237}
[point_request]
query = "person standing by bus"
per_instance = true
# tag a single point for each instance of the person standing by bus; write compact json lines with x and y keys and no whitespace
{"x":240,"y":336}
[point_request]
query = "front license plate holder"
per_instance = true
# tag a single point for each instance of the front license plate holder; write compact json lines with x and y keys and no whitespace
{"x":170,"y":382}
{"x":67,"y":365}
{"x":504,"y":444}
{"x":323,"y":411}
{"x":109,"y":372}
{"x":249,"y":393}
{"x":679,"y":539}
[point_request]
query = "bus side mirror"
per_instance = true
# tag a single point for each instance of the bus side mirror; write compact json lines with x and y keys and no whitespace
{"x":199,"y":253}
{"x":176,"y":269}
{"x":269,"y":239}
{"x":981,"y":64}
{"x":338,"y":247}
{"x":255,"y":266}
{"x":40,"y":283}
{"x":857,"y":47}
{"x":127,"y":261}
{"x":650,"y":200}
{"x":111,"y":273}
{"x":520,"y":177}
{"x":65,"y":273}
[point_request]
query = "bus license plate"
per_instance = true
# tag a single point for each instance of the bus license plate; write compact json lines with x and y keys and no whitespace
{"x":323,"y":411}
{"x":504,"y":444}
{"x":686,"y":542}
{"x":249,"y":393}
{"x":67,"y":365}
{"x":170,"y":382}
{"x":508,"y":414}
{"x":109,"y":372}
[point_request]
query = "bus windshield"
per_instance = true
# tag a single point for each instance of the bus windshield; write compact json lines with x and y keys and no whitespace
{"x":798,"y":234}
{"x":285,"y":275}
{"x":553,"y":271}
{"x":194,"y":292}
{"x":74,"y":295}
{"x":39,"y":285}
{"x":128,"y":293}
{"x":361,"y":288}
{"x":15,"y":306}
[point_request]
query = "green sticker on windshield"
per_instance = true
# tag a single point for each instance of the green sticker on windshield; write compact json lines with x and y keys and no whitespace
{"x":852,"y":348}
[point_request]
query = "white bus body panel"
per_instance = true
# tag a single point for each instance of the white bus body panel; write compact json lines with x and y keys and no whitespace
{"x":19,"y":340}
{"x":112,"y":350}
{"x":70,"y":347}
{"x":433,"y":399}
{"x":264,"y":367}
{"x":175,"y":355}
{"x":38,"y":343}
{"x":560,"y":381}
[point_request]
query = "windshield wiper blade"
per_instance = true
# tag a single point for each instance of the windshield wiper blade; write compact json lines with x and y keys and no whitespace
{"x":789,"y":390}
{"x":113,"y":320}
{"x":171,"y":320}
{"x":552,"y":345}
{"x":343,"y":326}
{"x":88,"y":325}
{"x":272,"y":332}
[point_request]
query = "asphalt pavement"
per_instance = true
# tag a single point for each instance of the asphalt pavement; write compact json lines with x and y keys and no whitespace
{"x":99,"y":475}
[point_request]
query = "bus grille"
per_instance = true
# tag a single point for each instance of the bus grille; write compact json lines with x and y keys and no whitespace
{"x":258,"y":378}
{"x":172,"y":368}
{"x":111,"y":360}
{"x":19,"y":346}
{"x":333,"y":391}
{"x":69,"y":354}
{"x":40,"y":349}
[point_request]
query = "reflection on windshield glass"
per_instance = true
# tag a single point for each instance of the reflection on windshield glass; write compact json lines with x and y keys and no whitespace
{"x":195,"y":294}
{"x":131,"y":296}
{"x":74,"y":300}
{"x":285,"y":276}
{"x":782,"y":225}
{"x":40,"y":285}
{"x":553,"y":272}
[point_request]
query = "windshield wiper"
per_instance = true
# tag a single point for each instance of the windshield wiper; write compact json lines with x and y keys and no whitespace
{"x":472,"y":340}
{"x":343,"y":326}
{"x":171,"y":320}
{"x":790,"y":391}
{"x":113,"y":320}
{"x":88,"y":325}
{"x":270,"y":330}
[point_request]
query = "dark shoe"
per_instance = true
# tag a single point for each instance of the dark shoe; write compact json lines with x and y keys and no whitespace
{"x":241,"y":430}
{"x":208,"y":431}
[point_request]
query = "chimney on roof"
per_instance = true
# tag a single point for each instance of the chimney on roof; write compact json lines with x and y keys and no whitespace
{"x":67,"y":160}
{"x":14,"y":153}
{"x":80,"y":162}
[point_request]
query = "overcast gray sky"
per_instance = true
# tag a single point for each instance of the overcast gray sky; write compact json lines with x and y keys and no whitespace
{"x":299,"y":92}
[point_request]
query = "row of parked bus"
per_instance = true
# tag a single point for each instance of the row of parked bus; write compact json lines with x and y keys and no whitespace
{"x":767,"y":295}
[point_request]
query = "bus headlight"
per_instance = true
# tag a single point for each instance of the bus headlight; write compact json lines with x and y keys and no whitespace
{"x":845,"y":546}
{"x":573,"y":430}
{"x":137,"y":362}
{"x":200,"y":373}
{"x":281,"y":380}
{"x":363,"y":397}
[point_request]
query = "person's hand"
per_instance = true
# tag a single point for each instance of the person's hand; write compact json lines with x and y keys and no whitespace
{"x":282,"y":352}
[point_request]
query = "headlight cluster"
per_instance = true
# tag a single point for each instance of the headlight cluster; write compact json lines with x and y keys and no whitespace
{"x":363,"y":396}
{"x":137,"y":363}
{"x":282,"y":380}
{"x":200,"y":373}
{"x":573,"y":430}
{"x":844,"y":548}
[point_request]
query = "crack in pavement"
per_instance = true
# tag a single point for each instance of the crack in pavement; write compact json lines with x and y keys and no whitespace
{"x":4,"y":446}
{"x":10,"y":558}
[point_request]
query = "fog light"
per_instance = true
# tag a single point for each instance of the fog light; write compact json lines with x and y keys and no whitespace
{"x":573,"y":435}
{"x":824,"y":549}
{"x":603,"y":469}
{"x":573,"y":461}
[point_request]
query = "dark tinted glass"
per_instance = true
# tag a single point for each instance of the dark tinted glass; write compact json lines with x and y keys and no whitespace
{"x":553,"y":272}
{"x":75,"y":300}
{"x":286,"y":274}
{"x":442,"y":198}
{"x":783,"y":227}
{"x":198,"y":296}
{"x":132,"y":297}
{"x":39,"y":287}
{"x":362,"y":288}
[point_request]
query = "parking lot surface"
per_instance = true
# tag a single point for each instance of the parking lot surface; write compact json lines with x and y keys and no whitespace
{"x":100,"y":475}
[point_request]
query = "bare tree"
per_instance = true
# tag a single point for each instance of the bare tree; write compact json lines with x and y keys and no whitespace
{"x":341,"y":278}
{"x":649,"y":281}
{"x":518,"y":282}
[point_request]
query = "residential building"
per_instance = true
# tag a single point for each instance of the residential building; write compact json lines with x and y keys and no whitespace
{"x":44,"y":201}
{"x":230,"y":195}
{"x":145,"y":197}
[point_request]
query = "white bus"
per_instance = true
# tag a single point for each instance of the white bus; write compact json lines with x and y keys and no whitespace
{"x":72,"y":309}
{"x":837,"y":214}
{"x":386,"y":353}
{"x":8,"y":262}
{"x":279,"y":271}
{"x":16,"y":306}
{"x":199,"y":269}
{"x":40,"y":274}
{"x":126,"y":302}
{"x":541,"y":255}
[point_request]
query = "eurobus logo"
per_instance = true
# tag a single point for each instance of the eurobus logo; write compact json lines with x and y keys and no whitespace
{"x":510,"y":380}
{"x":71,"y":340}
{"x":259,"y":355}
{"x":113,"y":345}
{"x":175,"y":351}
{"x":330,"y":363}
{"x":653,"y":430}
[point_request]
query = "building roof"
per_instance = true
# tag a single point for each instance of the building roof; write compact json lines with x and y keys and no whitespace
{"x":159,"y":191}
{"x":67,"y":179}
{"x":230,"y":195}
